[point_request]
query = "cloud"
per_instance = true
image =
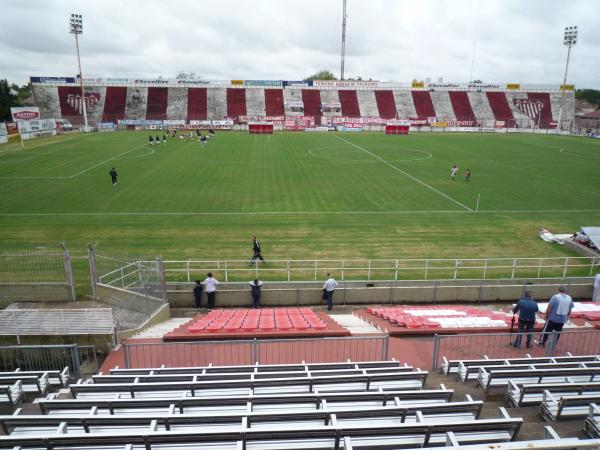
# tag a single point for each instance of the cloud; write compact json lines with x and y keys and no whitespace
{"x":386,"y":40}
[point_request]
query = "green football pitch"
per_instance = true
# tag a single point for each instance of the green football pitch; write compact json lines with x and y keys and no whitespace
{"x":305,"y":196}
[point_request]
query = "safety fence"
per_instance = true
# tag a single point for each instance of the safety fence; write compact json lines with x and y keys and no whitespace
{"x":262,"y":351}
{"x":80,"y":359}
{"x":44,"y":268}
{"x":376,"y":269}
{"x":497,"y":345}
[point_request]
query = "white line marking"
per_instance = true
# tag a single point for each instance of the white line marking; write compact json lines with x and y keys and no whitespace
{"x":78,"y":173}
{"x":562,"y":150}
{"x":405,"y":173}
{"x":105,"y":161}
{"x":272,"y":213}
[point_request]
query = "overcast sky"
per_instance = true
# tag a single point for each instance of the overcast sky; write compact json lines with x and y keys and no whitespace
{"x":387,"y":40}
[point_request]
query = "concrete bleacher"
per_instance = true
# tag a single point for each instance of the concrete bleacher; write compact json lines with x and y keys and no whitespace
{"x":216,"y":99}
{"x":367,"y":103}
{"x":136,"y":103}
{"x":255,"y":102}
{"x":442,"y":105}
{"x":177,"y":107}
{"x":481,"y":108}
{"x":405,"y":105}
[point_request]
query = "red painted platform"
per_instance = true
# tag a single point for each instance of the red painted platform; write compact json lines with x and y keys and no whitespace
{"x":257,"y":323}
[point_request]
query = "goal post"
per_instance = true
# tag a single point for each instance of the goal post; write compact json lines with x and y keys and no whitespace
{"x":260,"y":128}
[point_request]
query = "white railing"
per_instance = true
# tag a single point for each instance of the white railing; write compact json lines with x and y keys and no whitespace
{"x":379,"y":269}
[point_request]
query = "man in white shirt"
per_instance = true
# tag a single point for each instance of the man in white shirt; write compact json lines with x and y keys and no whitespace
{"x":210,"y":286}
{"x":596,"y":294}
{"x":328,"y":289}
{"x":557,"y":313}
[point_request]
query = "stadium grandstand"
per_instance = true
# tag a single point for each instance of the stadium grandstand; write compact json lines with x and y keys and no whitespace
{"x":302,"y":104}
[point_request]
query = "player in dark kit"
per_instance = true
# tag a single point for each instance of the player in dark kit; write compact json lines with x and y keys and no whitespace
{"x":150,"y":140}
{"x":113,"y":175}
{"x":256,"y":250}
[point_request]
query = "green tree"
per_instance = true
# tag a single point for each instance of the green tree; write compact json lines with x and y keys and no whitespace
{"x":7,"y":100}
{"x":321,"y":75}
{"x":589,"y":95}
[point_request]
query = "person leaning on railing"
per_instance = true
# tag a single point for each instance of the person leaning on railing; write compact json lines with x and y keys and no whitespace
{"x":527,"y":309}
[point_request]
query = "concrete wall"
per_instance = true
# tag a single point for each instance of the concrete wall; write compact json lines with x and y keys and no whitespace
{"x":34,"y":292}
{"x":359,"y":293}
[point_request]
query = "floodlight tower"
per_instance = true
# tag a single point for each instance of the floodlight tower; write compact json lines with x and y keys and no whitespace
{"x":570,"y":39}
{"x":344,"y":16}
{"x":76,"y":28}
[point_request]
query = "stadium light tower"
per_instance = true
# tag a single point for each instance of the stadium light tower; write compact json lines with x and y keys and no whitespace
{"x":76,"y":28}
{"x":570,"y":39}
{"x":344,"y":17}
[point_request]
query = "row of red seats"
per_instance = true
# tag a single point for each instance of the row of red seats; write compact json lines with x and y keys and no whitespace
{"x":283,"y":319}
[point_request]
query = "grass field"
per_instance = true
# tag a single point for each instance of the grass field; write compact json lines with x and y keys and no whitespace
{"x":306,"y":196}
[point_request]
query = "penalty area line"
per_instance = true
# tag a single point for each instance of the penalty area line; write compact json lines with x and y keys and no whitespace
{"x":405,"y":173}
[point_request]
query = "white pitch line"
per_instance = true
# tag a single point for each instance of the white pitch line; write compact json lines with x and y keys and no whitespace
{"x":105,"y":161}
{"x":405,"y":173}
{"x":272,"y":213}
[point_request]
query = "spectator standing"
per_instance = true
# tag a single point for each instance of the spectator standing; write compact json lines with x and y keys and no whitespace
{"x":255,"y":289}
{"x":468,"y":175}
{"x":557,"y":313}
{"x":527,"y":308}
{"x":329,"y":288}
{"x":596,"y":294}
{"x":198,"y":294}
{"x":210,"y":285}
{"x":256,"y":251}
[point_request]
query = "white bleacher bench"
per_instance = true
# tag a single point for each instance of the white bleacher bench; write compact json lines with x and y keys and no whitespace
{"x":452,"y":366}
{"x":55,"y":377}
{"x":12,"y":394}
{"x":592,"y":423}
{"x":414,"y":379}
{"x":92,"y":423}
{"x":420,"y":434}
{"x":566,"y":406}
{"x":208,"y":376}
{"x":303,"y":367}
{"x":29,"y":383}
{"x":518,"y":395}
{"x":466,"y":373}
{"x":243,"y":403}
{"x":500,"y":378}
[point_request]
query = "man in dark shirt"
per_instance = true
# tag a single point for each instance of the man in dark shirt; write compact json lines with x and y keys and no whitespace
{"x":198,"y":294}
{"x":113,"y":175}
{"x":526,"y":307}
{"x":256,"y":250}
{"x":255,"y":289}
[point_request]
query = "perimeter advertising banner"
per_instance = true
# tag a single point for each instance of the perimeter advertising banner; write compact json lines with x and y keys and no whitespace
{"x":3,"y":133}
{"x":25,"y":113}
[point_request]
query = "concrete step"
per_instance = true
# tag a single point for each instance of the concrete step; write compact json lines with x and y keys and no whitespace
{"x":160,"y":329}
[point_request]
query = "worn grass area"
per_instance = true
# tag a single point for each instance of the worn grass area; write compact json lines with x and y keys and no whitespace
{"x":306,"y":196}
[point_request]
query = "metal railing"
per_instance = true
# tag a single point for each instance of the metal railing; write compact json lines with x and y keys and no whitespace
{"x":262,"y":351}
{"x":496,"y":345}
{"x":80,"y":359}
{"x":374,"y":269}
